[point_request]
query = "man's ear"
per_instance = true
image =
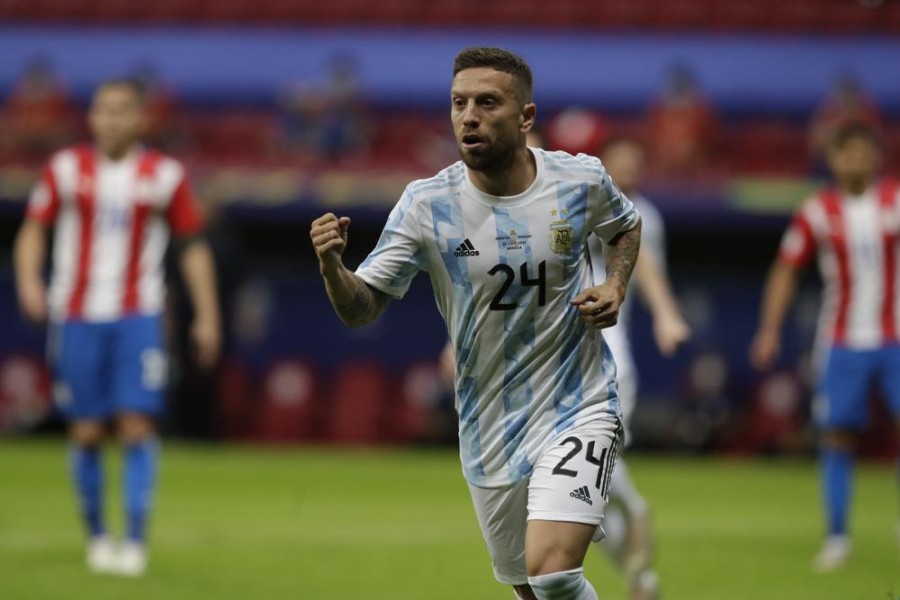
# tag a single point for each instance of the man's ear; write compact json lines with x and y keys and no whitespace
{"x":527,"y":117}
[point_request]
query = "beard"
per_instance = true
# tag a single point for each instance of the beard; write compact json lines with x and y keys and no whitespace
{"x":492,"y":156}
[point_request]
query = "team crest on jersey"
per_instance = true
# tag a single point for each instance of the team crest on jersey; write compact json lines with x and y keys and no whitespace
{"x":562,"y":234}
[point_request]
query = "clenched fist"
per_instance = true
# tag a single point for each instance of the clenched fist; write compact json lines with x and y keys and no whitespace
{"x":329,"y":238}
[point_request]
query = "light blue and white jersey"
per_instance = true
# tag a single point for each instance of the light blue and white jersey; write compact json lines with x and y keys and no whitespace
{"x":503,"y":271}
{"x":653,"y":240}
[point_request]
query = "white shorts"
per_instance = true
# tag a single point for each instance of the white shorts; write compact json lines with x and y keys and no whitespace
{"x":570,"y":482}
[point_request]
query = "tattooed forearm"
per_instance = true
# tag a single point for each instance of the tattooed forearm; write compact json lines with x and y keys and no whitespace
{"x":364,"y":307}
{"x":621,"y":256}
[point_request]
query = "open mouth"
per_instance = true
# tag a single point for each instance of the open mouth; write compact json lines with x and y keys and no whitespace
{"x":471,"y":140}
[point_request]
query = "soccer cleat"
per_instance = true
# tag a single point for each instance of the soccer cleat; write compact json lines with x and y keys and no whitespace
{"x":131,"y":559}
{"x":833,"y":555}
{"x":101,"y":555}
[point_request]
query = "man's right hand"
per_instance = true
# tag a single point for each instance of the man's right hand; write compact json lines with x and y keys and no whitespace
{"x":764,"y":349}
{"x":329,"y":238}
{"x":33,"y":301}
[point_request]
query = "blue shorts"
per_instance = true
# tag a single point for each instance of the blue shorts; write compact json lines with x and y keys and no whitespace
{"x":849,"y":377}
{"x":102,"y":369}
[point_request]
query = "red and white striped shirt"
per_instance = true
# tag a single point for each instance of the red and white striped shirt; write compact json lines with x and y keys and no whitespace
{"x":112,"y":225}
{"x":858,"y":244}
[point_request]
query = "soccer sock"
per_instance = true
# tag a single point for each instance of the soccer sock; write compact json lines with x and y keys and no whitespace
{"x":565,"y":585}
{"x":86,"y":465}
{"x":140,"y":479}
{"x":837,"y":472}
{"x":623,"y":490}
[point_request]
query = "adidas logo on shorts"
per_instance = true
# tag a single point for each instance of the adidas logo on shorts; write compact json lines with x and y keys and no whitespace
{"x":582,"y":494}
{"x":466,"y":249}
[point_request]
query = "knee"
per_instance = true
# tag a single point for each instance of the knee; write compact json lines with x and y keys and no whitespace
{"x":135,"y":428}
{"x":85,"y":434}
{"x":839,"y":439}
{"x":552,"y":559}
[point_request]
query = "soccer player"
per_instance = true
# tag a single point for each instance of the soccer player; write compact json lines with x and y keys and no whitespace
{"x":502,"y":236}
{"x":112,"y":206}
{"x":633,"y":551}
{"x":853,"y":228}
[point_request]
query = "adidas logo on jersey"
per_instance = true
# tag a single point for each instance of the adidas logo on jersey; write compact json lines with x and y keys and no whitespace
{"x":582,"y":494}
{"x":466,"y":249}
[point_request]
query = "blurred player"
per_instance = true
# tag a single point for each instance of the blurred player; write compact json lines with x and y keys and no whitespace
{"x":502,"y":236}
{"x":854,"y":228}
{"x":633,"y":551}
{"x":112,"y":207}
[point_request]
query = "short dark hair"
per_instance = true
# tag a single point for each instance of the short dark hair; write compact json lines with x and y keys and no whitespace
{"x":498,"y":59}
{"x":126,"y":82}
{"x":853,"y":130}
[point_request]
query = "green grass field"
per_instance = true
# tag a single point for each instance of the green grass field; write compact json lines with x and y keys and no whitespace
{"x":397,"y":525}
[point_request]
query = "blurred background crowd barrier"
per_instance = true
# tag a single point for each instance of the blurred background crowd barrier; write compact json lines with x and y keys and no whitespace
{"x":285,"y":109}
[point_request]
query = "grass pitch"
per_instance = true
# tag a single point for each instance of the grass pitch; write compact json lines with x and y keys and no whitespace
{"x":398,"y":525}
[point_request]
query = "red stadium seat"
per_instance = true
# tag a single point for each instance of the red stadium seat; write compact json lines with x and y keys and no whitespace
{"x":798,"y":15}
{"x":740,"y":14}
{"x":358,"y":403}
{"x":289,"y":403}
{"x":413,"y":413}
{"x":845,"y":18}
{"x":24,"y":392}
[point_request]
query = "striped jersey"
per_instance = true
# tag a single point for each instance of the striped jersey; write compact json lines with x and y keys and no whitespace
{"x":653,"y":240}
{"x":112,"y":224}
{"x":857,"y":240}
{"x":503,"y":270}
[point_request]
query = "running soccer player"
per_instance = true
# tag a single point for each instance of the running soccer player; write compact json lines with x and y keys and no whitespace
{"x":502,"y":235}
{"x":633,"y":550}
{"x":112,"y":207}
{"x":854,"y":228}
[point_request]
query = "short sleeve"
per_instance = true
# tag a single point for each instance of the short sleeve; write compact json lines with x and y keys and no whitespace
{"x":614,"y":213}
{"x":184,"y":212}
{"x":399,"y":255}
{"x":798,"y":243}
{"x":43,"y":203}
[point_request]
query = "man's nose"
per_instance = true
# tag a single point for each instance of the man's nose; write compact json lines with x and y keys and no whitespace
{"x":471,"y":118}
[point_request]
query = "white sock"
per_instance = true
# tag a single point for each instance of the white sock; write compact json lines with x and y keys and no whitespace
{"x":564,"y":585}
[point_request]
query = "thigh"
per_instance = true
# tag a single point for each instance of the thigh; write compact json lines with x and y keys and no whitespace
{"x":140,"y":366}
{"x":78,"y":354}
{"x":502,"y":515}
{"x":890,"y":378}
{"x":571,"y":478}
{"x":845,"y":388}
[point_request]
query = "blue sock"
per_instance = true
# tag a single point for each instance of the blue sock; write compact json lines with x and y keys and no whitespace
{"x":86,"y":466}
{"x":837,"y":472}
{"x":140,"y":480}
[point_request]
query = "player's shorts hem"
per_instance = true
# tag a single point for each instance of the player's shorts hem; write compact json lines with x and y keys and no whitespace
{"x":506,"y":580}
{"x":581,"y":519}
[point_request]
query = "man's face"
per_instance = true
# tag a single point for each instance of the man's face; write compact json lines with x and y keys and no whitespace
{"x":116,"y":119}
{"x":624,"y":161}
{"x":489,"y":120}
{"x":857,"y":159}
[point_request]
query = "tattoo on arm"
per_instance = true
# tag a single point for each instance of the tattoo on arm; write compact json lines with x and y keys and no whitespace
{"x":622,"y":255}
{"x":365,"y":306}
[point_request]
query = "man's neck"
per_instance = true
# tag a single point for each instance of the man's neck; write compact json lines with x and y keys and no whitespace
{"x":856,"y":187}
{"x":119,"y":154}
{"x":511,"y":180}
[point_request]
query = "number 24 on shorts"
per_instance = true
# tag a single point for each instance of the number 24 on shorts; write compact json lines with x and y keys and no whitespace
{"x":604,"y":462}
